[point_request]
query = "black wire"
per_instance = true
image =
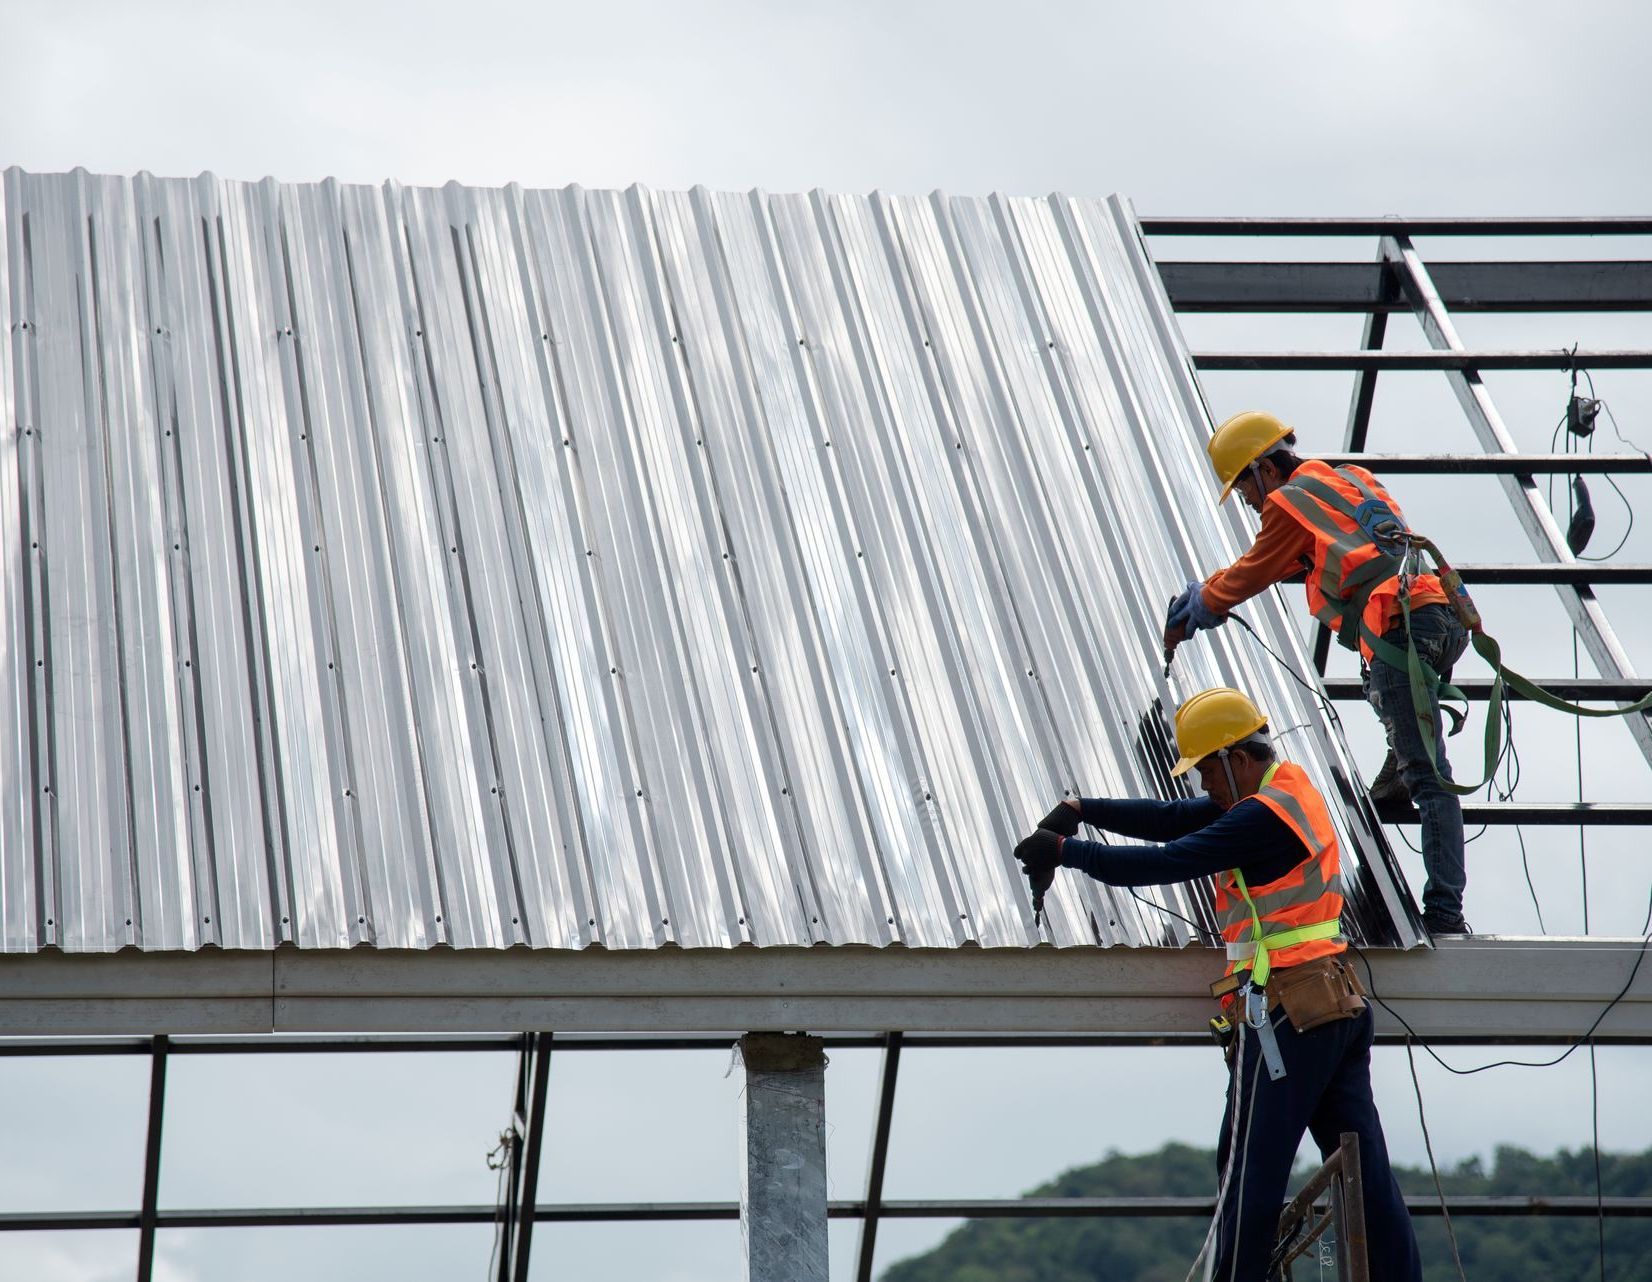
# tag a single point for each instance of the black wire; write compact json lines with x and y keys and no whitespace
{"x":1554,"y":441}
{"x":1628,"y":507}
{"x":1628,"y":530}
{"x":1582,"y":840}
{"x":1210,"y":935}
{"x":1640,"y":956}
{"x":1318,"y":694}
{"x":1428,"y":1147}
{"x":1600,"y":1198}
{"x":1526,"y":868}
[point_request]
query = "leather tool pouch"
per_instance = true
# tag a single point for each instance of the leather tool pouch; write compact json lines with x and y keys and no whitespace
{"x":1317,"y":992}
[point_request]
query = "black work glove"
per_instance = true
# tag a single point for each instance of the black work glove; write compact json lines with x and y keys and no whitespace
{"x":1063,"y":820}
{"x":1040,"y":856}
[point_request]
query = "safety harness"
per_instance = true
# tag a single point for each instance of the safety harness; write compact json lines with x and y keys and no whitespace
{"x":1399,"y":556}
{"x":1258,"y":950}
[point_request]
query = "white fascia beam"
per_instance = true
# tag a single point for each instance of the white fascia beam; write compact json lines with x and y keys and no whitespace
{"x":1489,"y":986}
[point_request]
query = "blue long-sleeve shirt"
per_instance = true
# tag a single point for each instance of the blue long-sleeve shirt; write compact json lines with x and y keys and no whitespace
{"x":1197,"y":838}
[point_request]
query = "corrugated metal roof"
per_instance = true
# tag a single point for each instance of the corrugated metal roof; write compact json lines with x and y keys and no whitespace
{"x":472,"y":566}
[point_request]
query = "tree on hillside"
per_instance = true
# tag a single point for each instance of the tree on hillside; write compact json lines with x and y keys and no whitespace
{"x":1115,"y":1249}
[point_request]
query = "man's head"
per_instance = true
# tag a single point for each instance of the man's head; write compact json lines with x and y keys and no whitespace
{"x":1252,"y":453}
{"x":1223,"y":734}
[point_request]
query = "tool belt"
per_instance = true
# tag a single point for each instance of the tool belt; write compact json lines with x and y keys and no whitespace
{"x":1313,"y":993}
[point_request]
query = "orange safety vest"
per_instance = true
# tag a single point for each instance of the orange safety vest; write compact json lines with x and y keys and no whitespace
{"x":1355,"y":580}
{"x":1297,"y":917}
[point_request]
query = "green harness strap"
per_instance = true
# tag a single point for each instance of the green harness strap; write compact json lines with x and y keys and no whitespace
{"x":1424,"y":681}
{"x":1261,"y":961}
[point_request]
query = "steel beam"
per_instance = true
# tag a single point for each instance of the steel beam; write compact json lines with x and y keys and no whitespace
{"x":1499,"y":1206}
{"x":1150,"y":993}
{"x":1319,"y":288}
{"x":1454,"y":359}
{"x":1560,"y":814}
{"x":1530,"y":507}
{"x":53,"y":1047}
{"x":879,"y":1158}
{"x":1577,"y":573}
{"x":1616,"y":226}
{"x":527,"y":1201}
{"x":1579,"y":690}
{"x":783,"y":1143}
{"x":1359,"y":412}
{"x":1492,"y":464}
{"x":148,"y":1215}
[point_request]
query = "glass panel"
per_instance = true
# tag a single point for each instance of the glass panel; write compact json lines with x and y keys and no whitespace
{"x":107,"y":1255}
{"x":333,"y":1130}
{"x":74,"y":1130}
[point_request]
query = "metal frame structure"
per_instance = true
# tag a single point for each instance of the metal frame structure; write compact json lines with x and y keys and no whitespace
{"x":1397,"y":281}
{"x":1302,"y":1223}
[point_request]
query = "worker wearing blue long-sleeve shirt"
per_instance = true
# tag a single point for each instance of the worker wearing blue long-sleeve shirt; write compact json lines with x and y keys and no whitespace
{"x":1200,"y":840}
{"x":1301,"y":1060}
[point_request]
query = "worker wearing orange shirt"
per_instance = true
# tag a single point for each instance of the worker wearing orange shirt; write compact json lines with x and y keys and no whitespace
{"x":1343,"y":528}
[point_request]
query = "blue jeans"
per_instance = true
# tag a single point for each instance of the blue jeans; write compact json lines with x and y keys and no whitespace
{"x":1441,"y":639}
{"x":1326,"y":1090}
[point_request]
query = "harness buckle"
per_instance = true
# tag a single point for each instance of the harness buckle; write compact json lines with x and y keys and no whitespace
{"x":1256,"y":1016}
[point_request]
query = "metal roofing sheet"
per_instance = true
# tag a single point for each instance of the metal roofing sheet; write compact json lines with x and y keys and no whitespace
{"x":487,"y":566}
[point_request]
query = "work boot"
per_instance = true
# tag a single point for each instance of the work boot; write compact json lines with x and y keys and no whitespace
{"x":1388,"y":786}
{"x":1439,"y":924}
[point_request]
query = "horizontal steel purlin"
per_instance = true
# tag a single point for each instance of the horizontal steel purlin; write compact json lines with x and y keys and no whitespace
{"x":1584,"y":689}
{"x":1324,"y":288}
{"x":1023,"y":1208}
{"x":1435,"y":360}
{"x":1547,"y":572}
{"x":1562,"y":814}
{"x":1492,"y":464}
{"x":1579,"y":226}
{"x":511,"y":1043}
{"x":1476,"y":986}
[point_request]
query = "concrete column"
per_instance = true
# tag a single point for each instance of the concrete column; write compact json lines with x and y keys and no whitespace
{"x":783,"y":1139}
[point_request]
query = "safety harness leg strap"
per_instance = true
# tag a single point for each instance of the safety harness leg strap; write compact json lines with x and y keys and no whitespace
{"x":1424,"y":681}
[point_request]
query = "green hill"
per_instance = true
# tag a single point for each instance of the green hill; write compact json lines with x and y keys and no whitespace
{"x":1507,"y":1249}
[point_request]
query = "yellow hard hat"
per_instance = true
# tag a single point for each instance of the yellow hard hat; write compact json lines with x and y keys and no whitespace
{"x":1239,"y":442}
{"x":1212,"y":720}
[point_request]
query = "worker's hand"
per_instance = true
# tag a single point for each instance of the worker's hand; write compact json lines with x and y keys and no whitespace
{"x":1063,"y":819}
{"x":1189,"y":614}
{"x":1040,"y":855}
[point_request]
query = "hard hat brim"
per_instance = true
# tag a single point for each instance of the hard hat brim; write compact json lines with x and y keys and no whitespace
{"x":1184,"y":765}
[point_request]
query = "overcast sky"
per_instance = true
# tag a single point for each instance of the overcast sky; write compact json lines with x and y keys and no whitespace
{"x":1191,"y":108}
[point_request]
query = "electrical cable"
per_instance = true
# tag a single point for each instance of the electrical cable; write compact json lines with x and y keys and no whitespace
{"x":507,"y":1139}
{"x":1640,"y":956}
{"x":1227,"y":1166}
{"x":1428,"y":1146}
{"x":1511,"y":781}
{"x":1210,"y":936}
{"x":1582,"y":844}
{"x":1554,"y":439}
{"x":1594,"y":1122}
{"x":1318,"y":694}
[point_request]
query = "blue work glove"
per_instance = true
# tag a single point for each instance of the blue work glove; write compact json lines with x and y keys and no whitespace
{"x":1189,"y":613}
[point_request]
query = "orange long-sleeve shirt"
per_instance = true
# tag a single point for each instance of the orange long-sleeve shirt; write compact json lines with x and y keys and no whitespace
{"x":1283,"y":547}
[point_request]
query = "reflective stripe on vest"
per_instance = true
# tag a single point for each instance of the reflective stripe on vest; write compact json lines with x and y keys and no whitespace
{"x":1352,"y":580}
{"x":1297,"y":917}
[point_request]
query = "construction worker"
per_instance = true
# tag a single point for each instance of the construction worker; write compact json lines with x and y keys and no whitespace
{"x":1342,"y":527}
{"x":1263,"y":831}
